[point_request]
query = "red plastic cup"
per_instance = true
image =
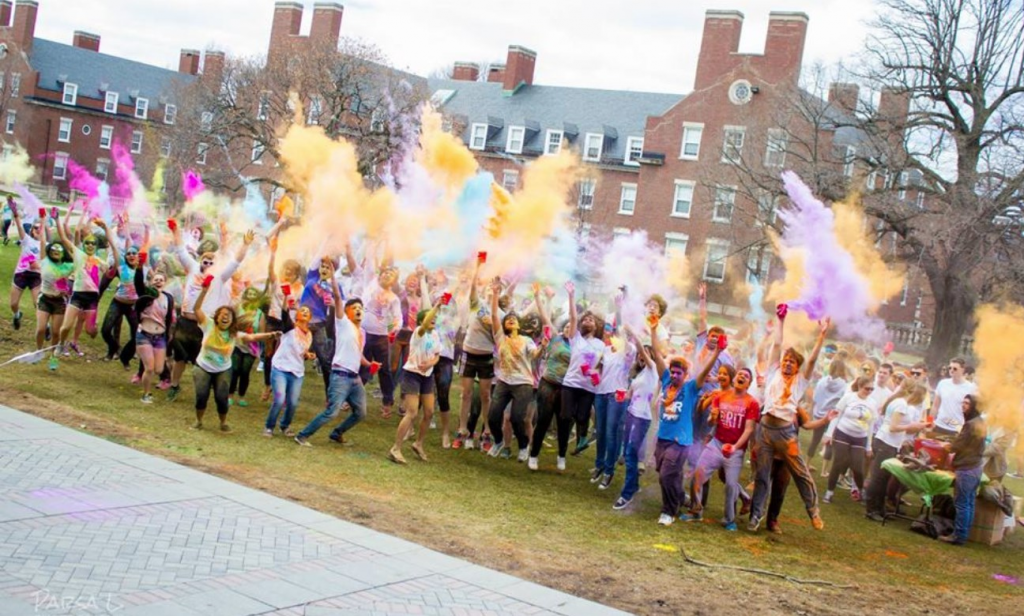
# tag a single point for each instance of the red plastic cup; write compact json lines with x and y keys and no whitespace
{"x":482,"y":256}
{"x":207,"y":281}
{"x":547,"y":332}
{"x":291,"y":302}
{"x":374,"y":367}
{"x":585,"y":369}
{"x":286,"y":289}
{"x":446,"y":298}
{"x":781,"y":310}
{"x":172,"y":224}
{"x":723,"y":341}
{"x":54,"y":212}
{"x":595,"y":378}
{"x":392,"y":336}
{"x":42,"y":212}
{"x":620,"y":395}
{"x":728,"y":449}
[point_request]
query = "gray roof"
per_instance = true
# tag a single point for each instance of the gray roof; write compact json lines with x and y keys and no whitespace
{"x":616,"y":114}
{"x":89,"y":70}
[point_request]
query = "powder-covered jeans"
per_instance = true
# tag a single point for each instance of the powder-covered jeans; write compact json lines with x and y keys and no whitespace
{"x":609,"y":416}
{"x":634,"y":432}
{"x":712,"y":459}
{"x":287,"y":389}
{"x":781,"y":442}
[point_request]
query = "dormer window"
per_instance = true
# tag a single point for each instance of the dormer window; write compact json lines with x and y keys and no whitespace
{"x":110,"y":102}
{"x":70,"y":94}
{"x":170,"y":114}
{"x":516,"y":136}
{"x":592,"y":147}
{"x":141,"y":108}
{"x":634,"y":150}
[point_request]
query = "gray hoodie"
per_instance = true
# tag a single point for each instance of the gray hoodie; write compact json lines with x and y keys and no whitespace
{"x":827,"y":395}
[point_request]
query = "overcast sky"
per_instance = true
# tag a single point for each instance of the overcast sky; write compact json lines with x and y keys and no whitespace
{"x":648,"y":45}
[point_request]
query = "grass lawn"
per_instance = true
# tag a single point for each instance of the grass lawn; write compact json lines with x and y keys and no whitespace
{"x":555,"y":529}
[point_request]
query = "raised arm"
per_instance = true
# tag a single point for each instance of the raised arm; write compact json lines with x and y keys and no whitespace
{"x":271,"y":268}
{"x":339,"y":308}
{"x":499,"y":333}
{"x":425,"y":302}
{"x":542,"y":309}
{"x":813,"y":359}
{"x":17,"y":222}
{"x":62,"y":233}
{"x":246,"y":242}
{"x":473,"y":295}
{"x":775,"y":358}
{"x":706,"y":368}
{"x":570,"y":288}
{"x":702,"y":307}
{"x":198,"y":310}
{"x":428,"y":321}
{"x":111,"y":240}
{"x":659,"y":355}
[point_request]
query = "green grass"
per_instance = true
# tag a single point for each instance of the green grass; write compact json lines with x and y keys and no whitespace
{"x":556,"y":529}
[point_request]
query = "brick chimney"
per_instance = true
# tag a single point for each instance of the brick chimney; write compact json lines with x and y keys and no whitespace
{"x":326,"y":26}
{"x":496,"y":73}
{"x":466,"y":71}
{"x":86,"y":40}
{"x":213,"y":68}
{"x":188,"y":62}
{"x":893,"y":106}
{"x":721,"y":38}
{"x":844,"y":96}
{"x":23,"y":31}
{"x":6,"y":8}
{"x":519,"y":68}
{"x":286,"y":26}
{"x":784,"y":47}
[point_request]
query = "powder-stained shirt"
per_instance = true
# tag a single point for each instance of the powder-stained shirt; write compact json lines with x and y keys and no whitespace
{"x":777,"y":401}
{"x":28,"y":260}
{"x":479,"y":332}
{"x":556,"y":364}
{"x":290,"y":355}
{"x":642,"y":392}
{"x":88,"y":271}
{"x":676,"y":415}
{"x":125,"y":282}
{"x":382,"y":310}
{"x":56,"y":278}
{"x":515,"y":363}
{"x":424,"y":351}
{"x":215,"y":353}
{"x":446,"y":324}
{"x":615,"y":366}
{"x":585,"y":352}
{"x":734,"y":411}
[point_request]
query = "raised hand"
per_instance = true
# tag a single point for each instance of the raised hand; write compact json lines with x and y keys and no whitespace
{"x":702,"y":290}
{"x":781,"y":311}
{"x":570,"y":288}
{"x":249,"y":236}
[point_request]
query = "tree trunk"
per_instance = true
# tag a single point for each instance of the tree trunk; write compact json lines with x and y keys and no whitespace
{"x":954,"y":309}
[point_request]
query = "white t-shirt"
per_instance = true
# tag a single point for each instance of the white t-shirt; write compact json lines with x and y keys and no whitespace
{"x":587,"y":351}
{"x":855,"y":416}
{"x":615,"y":367}
{"x":479,"y":331}
{"x":514,"y":365}
{"x":424,"y":351}
{"x":911,"y":414}
{"x":446,"y":324}
{"x":642,"y":393}
{"x":774,"y":403}
{"x":28,"y":260}
{"x":220,"y":289}
{"x":951,"y":396}
{"x":878,"y":398}
{"x":290,"y":355}
{"x":348,"y":344}
{"x":382,"y":312}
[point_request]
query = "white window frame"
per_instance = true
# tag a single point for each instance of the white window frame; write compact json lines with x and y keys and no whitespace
{"x":110,"y":101}
{"x":70,"y":96}
{"x":106,"y":137}
{"x":676,"y":238}
{"x":60,"y":165}
{"x":689,"y":128}
{"x":547,"y":141}
{"x":258,"y":150}
{"x":620,"y":232}
{"x":919,"y":200}
{"x":778,"y":143}
{"x":758,"y":264}
{"x":316,"y":111}
{"x":599,"y":137}
{"x":3,"y":80}
{"x":62,"y":135}
{"x":728,"y":145}
{"x":906,"y":291}
{"x":170,"y":113}
{"x":588,"y":190}
{"x":871,"y":181}
{"x":15,"y":84}
{"x":136,"y":142}
{"x":628,"y":158}
{"x":719,"y":192}
{"x":516,"y":139}
{"x":772,"y":202}
{"x":201,"y":151}
{"x":627,"y":186}
{"x":714,"y":241}
{"x":902,"y":181}
{"x":473,"y":134}
{"x":103,"y":163}
{"x":141,"y":108}
{"x":848,"y":160}
{"x":12,"y":120}
{"x":165,"y":147}
{"x":263,"y":106}
{"x":510,"y":176}
{"x":682,"y":184}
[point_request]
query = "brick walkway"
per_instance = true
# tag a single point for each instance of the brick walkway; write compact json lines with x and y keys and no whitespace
{"x":91,"y":527}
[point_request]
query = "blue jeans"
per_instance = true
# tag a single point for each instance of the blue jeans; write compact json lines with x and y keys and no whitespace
{"x":965,"y":488}
{"x":609,"y":417}
{"x":287,"y":389}
{"x":634,"y":434}
{"x":345,"y":387}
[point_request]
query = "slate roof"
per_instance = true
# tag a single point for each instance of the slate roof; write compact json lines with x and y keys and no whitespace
{"x":616,"y":114}
{"x":90,"y":70}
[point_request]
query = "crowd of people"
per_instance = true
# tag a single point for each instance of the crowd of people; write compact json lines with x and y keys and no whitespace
{"x":522,"y":360}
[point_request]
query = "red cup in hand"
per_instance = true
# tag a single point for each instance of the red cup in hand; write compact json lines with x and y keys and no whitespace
{"x":595,"y":378}
{"x":728,"y":449}
{"x":481,"y":256}
{"x":547,"y":332}
{"x":286,"y":289}
{"x":172,"y":224}
{"x":585,"y":369}
{"x":291,"y":303}
{"x":446,"y":298}
{"x":207,"y":281}
{"x":781,"y":310}
{"x":620,"y":395}
{"x":143,"y":257}
{"x":723,"y":341}
{"x":54,"y":212}
{"x":392,"y":336}
{"x":888,"y":348}
{"x":42,"y":212}
{"x":374,"y":367}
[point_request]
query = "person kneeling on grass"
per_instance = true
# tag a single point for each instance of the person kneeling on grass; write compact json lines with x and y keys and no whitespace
{"x":288,"y":368}
{"x":213,"y":365}
{"x":418,"y":384}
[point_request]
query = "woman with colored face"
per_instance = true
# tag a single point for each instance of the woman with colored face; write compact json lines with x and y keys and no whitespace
{"x":250,"y":321}
{"x":122,"y":307}
{"x":55,"y":288}
{"x":287,"y":369}
{"x":155,"y":308}
{"x":26,"y":272}
{"x":290,"y":279}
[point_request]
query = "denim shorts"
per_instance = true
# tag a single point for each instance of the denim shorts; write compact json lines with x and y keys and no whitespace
{"x":157,"y":341}
{"x":85,"y":300}
{"x":416,"y":384}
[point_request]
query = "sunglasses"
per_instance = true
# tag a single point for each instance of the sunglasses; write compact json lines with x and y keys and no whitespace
{"x":867,"y":388}
{"x":131,"y":254}
{"x":207,"y":263}
{"x":916,"y":373}
{"x":88,"y":243}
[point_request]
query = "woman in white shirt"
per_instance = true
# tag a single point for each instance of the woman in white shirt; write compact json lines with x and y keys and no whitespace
{"x":904,"y":417}
{"x":418,"y":384}
{"x":849,"y":435}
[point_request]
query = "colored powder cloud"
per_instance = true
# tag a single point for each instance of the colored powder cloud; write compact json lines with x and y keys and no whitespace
{"x":999,"y":349}
{"x":15,"y":168}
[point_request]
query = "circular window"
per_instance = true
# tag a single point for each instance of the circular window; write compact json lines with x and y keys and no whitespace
{"x":86,"y":129}
{"x":740,"y":92}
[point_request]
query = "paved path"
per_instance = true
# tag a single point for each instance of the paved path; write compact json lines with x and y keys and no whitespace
{"x":91,"y":527}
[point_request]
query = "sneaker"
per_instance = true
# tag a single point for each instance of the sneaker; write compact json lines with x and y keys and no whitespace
{"x":595,"y":475}
{"x":754,"y":524}
{"x":303,"y":441}
{"x":469,"y":444}
{"x":560,"y":464}
{"x":74,"y":347}
{"x":172,"y":392}
{"x":874,"y":516}
{"x":531,"y":463}
{"x":745,"y":507}
{"x":259,"y":368}
{"x":844,"y":483}
{"x":621,"y":503}
{"x":495,"y":450}
{"x":666,"y":520}
{"x":225,"y":428}
{"x":641,"y":468}
{"x":730,"y":526}
{"x":288,"y":432}
{"x":136,"y":379}
{"x":817,"y":522}
{"x":774,"y":527}
{"x":338,"y":438}
{"x":691,"y":517}
{"x":243,"y":403}
{"x":267,"y":432}
{"x":950,"y":539}
{"x":606,"y":482}
{"x":506,"y":453}
{"x":829,"y":494}
{"x":164,"y":384}
{"x":523,"y":455}
{"x":53,"y":363}
{"x":17,"y":320}
{"x":581,"y":446}
{"x":147,"y":399}
{"x":458,"y":441}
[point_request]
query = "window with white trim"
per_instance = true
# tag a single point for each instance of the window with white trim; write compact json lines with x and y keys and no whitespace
{"x":920,"y":200}
{"x":12,"y":117}
{"x":767,"y":208}
{"x":553,"y":141}
{"x":6,"y":152}
{"x":165,"y":147}
{"x":871,"y":182}
{"x":732,"y":144}
{"x":206,"y":121}
{"x":850,"y":156}
{"x":725,"y":203}
{"x":70,"y":94}
{"x":634,"y":150}
{"x":316,"y":109}
{"x":676,"y":243}
{"x":110,"y":102}
{"x":263,"y":106}
{"x":902,"y":185}
{"x":15,"y":84}
{"x":692,"y":133}
{"x":141,"y":108}
{"x":906,"y":290}
{"x":170,"y":113}
{"x":201,"y":152}
{"x":620,"y":232}
{"x":258,"y":148}
{"x":759,"y":260}
{"x":106,"y":137}
{"x":627,"y":199}
{"x":778,"y":143}
{"x":715,"y":260}
{"x":478,"y":137}
{"x":3,"y":80}
{"x":592,"y":147}
{"x":587,"y":188}
{"x":682,"y":199}
{"x":60,"y":166}
{"x":136,"y":142}
{"x":102,"y":168}
{"x":64,"y":132}
{"x":516,"y":136}
{"x":510,"y":179}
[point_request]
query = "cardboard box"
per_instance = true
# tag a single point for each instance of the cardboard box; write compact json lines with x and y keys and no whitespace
{"x":988,"y":524}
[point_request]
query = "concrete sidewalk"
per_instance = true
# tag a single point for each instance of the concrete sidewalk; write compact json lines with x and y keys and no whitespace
{"x":91,"y":527}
